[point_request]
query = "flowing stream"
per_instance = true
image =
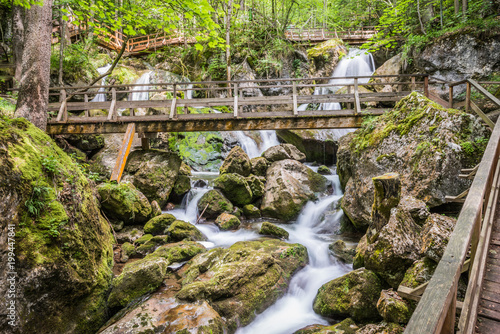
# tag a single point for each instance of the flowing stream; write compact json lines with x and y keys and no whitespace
{"x":314,"y":229}
{"x":102,"y":97}
{"x":141,"y":96}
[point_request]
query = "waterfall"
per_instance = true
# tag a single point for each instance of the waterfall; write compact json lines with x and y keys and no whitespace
{"x":141,"y":96}
{"x":101,"y":97}
{"x":268,"y":139}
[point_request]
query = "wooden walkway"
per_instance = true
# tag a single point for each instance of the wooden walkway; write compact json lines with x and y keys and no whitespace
{"x":178,"y":114}
{"x":312,"y":36}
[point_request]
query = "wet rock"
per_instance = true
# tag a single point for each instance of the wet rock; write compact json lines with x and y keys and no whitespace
{"x":393,"y":66}
{"x":435,"y":235}
{"x":180,"y":230}
{"x":340,"y":250}
{"x":153,"y":172}
{"x":275,"y":231}
{"x":323,"y":170}
{"x":393,"y":308}
{"x":129,"y":234}
{"x":159,"y":224}
{"x":251,"y":211}
{"x":282,"y":152}
{"x":63,"y":245}
{"x":117,"y":225}
{"x":346,"y":326}
{"x":243,"y":280}
{"x":200,"y":184}
{"x":359,"y":258}
{"x":419,"y":273}
{"x":257,"y":185}
{"x":419,"y":140}
{"x":416,"y":208}
{"x":353,"y":295}
{"x":155,"y":209}
{"x":227,"y":222}
{"x":181,"y":187}
{"x":235,"y":187}
{"x":145,"y":275}
{"x":259,"y":166}
{"x":213,"y":202}
{"x":382,"y":327}
{"x":127,"y":250}
{"x":289,"y":186}
{"x":124,"y":202}
{"x":87,"y":143}
{"x":237,"y":162}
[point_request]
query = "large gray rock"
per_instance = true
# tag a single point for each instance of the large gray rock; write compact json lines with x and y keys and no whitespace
{"x":153,"y":172}
{"x":289,"y":186}
{"x":282,"y":152}
{"x":235,"y":187}
{"x":213,"y":203}
{"x":393,"y":66}
{"x":325,"y":57}
{"x":419,"y":140}
{"x":237,"y":162}
{"x":435,"y":235}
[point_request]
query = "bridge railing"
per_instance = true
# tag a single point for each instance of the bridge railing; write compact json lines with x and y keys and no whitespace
{"x":320,"y":34}
{"x":436,"y":311}
{"x":241,"y":98}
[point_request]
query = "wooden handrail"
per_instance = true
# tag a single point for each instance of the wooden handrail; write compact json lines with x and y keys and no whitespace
{"x":435,"y":313}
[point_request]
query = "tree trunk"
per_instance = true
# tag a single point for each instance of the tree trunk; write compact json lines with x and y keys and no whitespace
{"x":17,"y":40}
{"x":457,"y":7}
{"x":35,"y":80}
{"x":229,"y":13}
{"x":62,"y":43}
{"x":464,"y":7}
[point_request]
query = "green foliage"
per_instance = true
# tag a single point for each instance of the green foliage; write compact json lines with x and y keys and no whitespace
{"x":50,"y":164}
{"x":36,"y":203}
{"x":7,"y":107}
{"x":77,"y":62}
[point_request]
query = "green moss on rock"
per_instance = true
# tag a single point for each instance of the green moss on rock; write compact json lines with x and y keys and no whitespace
{"x":213,"y":203}
{"x":180,"y":230}
{"x":159,"y":224}
{"x":251,"y":211}
{"x":227,"y":221}
{"x":270,"y":229}
{"x":235,"y":187}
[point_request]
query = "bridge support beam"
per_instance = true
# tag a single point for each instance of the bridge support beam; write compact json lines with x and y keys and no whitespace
{"x":121,"y":160}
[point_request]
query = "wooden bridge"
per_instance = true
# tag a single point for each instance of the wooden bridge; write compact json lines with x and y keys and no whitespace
{"x":312,"y":36}
{"x":180,"y":114}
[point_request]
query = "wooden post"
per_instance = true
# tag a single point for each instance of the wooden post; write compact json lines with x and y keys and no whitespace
{"x":426,"y":86}
{"x":449,"y":321}
{"x":294,"y":97}
{"x":413,"y":85}
{"x":86,"y":99}
{"x":112,"y":108}
{"x":62,"y":116}
{"x":121,"y":160}
{"x":145,"y":143}
{"x":467,"y":97}
{"x":451,"y":97}
{"x":173,"y":107}
{"x":357,"y":106}
{"x":235,"y":110}
{"x":349,"y":104}
{"x":241,"y":97}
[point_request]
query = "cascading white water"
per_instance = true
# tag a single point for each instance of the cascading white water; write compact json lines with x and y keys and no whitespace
{"x":141,"y":96}
{"x":101,"y":97}
{"x":268,"y":139}
{"x":294,"y":310}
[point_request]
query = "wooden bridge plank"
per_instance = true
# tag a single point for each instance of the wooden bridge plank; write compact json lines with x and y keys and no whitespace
{"x":487,"y":326}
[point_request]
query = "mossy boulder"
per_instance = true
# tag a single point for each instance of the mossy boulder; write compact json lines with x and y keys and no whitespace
{"x":381,"y":327}
{"x":145,"y":275}
{"x":87,"y":143}
{"x":145,"y":238}
{"x":340,"y":250}
{"x":289,"y":186}
{"x":63,"y":245}
{"x":426,"y":144}
{"x":159,"y":224}
{"x":282,"y":152}
{"x":180,"y":230}
{"x":259,"y":166}
{"x":325,"y":56}
{"x":323,"y":170}
{"x":155,"y":209}
{"x":435,"y":235}
{"x":272,"y":230}
{"x":122,"y":201}
{"x":244,"y":279}
{"x":129,"y":234}
{"x":393,"y":308}
{"x":346,"y":326}
{"x":213,"y":202}
{"x":181,"y":187}
{"x":127,"y":250}
{"x":235,"y":187}
{"x":353,"y":295}
{"x":359,"y":259}
{"x":238,"y":162}
{"x":251,"y":211}
{"x":153,"y":172}
{"x":257,"y":184}
{"x":420,"y":272}
{"x":227,"y":221}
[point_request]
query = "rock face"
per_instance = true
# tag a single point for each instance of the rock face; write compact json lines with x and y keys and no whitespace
{"x":289,"y":186}
{"x":325,"y":57}
{"x":423,"y":142}
{"x":237,"y":162}
{"x":259,"y":166}
{"x":63,"y":245}
{"x":435,"y":235}
{"x":153,"y":172}
{"x":122,"y":201}
{"x":242,"y":280}
{"x":282,"y":152}
{"x":214,"y":203}
{"x":461,"y":54}
{"x":353,"y":295}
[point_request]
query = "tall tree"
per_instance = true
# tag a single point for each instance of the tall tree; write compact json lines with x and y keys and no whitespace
{"x":17,"y":40}
{"x":35,"y":79}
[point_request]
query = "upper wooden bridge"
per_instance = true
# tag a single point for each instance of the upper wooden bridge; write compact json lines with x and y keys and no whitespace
{"x":312,"y":36}
{"x":180,"y":114}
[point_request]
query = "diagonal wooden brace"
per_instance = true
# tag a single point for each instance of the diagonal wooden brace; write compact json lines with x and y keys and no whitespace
{"x":121,"y":160}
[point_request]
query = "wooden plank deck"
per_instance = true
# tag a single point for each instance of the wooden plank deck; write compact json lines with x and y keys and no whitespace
{"x":488,"y":315}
